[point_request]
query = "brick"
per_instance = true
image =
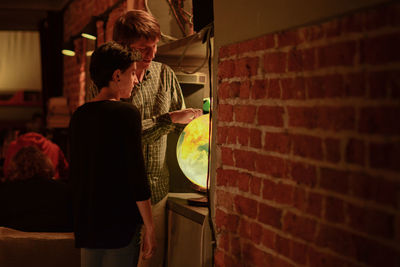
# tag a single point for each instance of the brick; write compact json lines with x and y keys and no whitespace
{"x":254,"y":256}
{"x":355,"y":85}
{"x":284,"y":193}
{"x":384,"y":156}
{"x":277,"y":142}
{"x":337,"y":240}
{"x":354,"y":23}
{"x":328,"y":118}
{"x":318,"y":259}
{"x":291,"y":38}
{"x":228,"y":90}
{"x":300,"y":227}
{"x":255,"y":138}
{"x":269,"y":189}
{"x":334,"y":210}
{"x":271,"y":116}
{"x":225,"y":112}
{"x":246,"y":67}
{"x":355,"y":152}
{"x":227,"y":156}
{"x":372,"y":222}
{"x":261,"y":43}
{"x":268,"y":238}
{"x":312,"y":33}
{"x":244,"y":113}
{"x":222,"y":133}
{"x":314,"y":204}
{"x":379,"y":17}
{"x":223,"y":240}
{"x":374,"y":188}
{"x":255,"y":185}
{"x":329,"y":86}
{"x":373,"y":253}
{"x":332,"y":28}
{"x":304,"y":173}
{"x":259,"y":90}
{"x":244,"y":182}
{"x":228,"y":50}
{"x":299,"y":252}
{"x":270,"y":165}
{"x":302,"y":60}
{"x":381,"y":49}
{"x":269,"y":215}
{"x":220,"y":219}
{"x":224,"y":199}
{"x":334,"y":180}
{"x":379,"y":120}
{"x":244,"y":90}
{"x":243,"y":135}
{"x":275,"y":62}
{"x":300,"y":198}
{"x":244,"y":230}
{"x":273,"y":89}
{"x":226,"y":69}
{"x":293,"y":88}
{"x":338,"y":54}
{"x":332,"y":150}
{"x":307,"y":146}
{"x":246,"y":206}
{"x":245,"y":159}
{"x":283,"y":246}
{"x":236,"y":246}
{"x":232,"y":223}
{"x":255,"y":233}
{"x":383,"y":84}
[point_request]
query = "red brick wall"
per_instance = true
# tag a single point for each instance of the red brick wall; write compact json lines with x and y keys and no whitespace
{"x":76,"y":16}
{"x":308,"y":144}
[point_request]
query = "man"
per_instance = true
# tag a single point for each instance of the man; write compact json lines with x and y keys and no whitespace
{"x":111,"y":193}
{"x":159,"y":99}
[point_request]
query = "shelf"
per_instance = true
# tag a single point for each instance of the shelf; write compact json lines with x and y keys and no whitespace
{"x":196,"y":49}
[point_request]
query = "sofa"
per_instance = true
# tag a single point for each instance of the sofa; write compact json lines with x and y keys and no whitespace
{"x":33,"y":249}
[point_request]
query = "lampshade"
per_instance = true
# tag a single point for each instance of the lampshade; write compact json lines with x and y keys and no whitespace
{"x":68,"y":48}
{"x":90,"y":30}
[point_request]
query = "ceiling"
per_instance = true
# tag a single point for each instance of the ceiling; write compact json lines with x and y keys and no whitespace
{"x":26,"y":14}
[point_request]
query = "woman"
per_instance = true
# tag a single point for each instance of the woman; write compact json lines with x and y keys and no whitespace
{"x":30,"y":199}
{"x":110,"y":187}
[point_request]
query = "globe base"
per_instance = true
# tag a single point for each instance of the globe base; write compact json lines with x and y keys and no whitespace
{"x":198,"y":201}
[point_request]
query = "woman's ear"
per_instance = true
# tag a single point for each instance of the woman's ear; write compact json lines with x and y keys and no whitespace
{"x":116,"y":75}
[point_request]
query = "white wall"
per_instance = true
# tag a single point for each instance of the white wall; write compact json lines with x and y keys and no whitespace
{"x":20,"y":64}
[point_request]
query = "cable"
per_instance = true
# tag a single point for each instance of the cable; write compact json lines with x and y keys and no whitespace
{"x":208,"y":30}
{"x":210,"y":221}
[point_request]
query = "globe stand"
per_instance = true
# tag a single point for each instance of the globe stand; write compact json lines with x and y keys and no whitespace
{"x":198,"y":201}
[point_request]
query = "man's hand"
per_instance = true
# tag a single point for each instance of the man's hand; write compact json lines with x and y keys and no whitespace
{"x":185,"y":116}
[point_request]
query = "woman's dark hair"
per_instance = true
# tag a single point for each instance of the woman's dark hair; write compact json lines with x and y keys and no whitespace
{"x":28,"y":163}
{"x":107,"y":58}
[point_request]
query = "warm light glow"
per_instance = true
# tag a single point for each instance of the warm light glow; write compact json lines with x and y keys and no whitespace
{"x":192,"y":151}
{"x":67,"y":52}
{"x":88,"y":36}
{"x":89,"y":53}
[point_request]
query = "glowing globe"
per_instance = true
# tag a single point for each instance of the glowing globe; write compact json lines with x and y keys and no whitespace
{"x":192,"y":151}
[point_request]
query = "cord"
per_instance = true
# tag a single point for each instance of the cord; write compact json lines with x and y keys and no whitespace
{"x":207,"y":32}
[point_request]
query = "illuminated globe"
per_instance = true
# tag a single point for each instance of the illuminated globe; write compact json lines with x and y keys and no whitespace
{"x":192,"y":151}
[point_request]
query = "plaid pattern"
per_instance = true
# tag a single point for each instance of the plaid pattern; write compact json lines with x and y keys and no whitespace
{"x":158,"y":94}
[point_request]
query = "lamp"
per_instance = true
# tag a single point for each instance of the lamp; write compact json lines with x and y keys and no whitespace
{"x":90,"y":30}
{"x":69,"y":48}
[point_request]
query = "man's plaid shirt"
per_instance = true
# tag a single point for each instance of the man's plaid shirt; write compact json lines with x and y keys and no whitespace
{"x":158,"y":94}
